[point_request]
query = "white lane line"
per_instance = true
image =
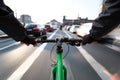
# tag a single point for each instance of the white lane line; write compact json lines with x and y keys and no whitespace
{"x":113,"y":47}
{"x":101,"y":71}
{"x":17,"y":75}
{"x":9,"y":46}
{"x":67,"y":34}
{"x":4,"y":40}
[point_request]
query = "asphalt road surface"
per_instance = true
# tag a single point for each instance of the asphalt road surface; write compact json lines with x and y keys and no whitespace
{"x":90,"y":62}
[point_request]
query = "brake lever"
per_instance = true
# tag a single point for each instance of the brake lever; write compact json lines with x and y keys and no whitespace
{"x":75,"y":43}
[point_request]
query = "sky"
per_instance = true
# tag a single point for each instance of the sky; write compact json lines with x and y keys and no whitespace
{"x":42,"y":11}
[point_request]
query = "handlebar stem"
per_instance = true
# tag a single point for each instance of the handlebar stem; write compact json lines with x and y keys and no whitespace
{"x":59,"y":48}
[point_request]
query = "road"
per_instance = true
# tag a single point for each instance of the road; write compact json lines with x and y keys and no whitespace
{"x":1,"y":32}
{"x":90,"y":62}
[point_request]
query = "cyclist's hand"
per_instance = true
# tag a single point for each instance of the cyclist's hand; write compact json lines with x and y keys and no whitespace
{"x":29,"y":40}
{"x":87,"y":40}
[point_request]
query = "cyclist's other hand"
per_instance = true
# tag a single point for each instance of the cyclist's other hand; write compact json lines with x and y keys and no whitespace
{"x":29,"y":40}
{"x":87,"y":39}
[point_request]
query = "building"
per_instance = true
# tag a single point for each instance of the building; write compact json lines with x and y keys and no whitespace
{"x":25,"y":19}
{"x":54,"y":23}
{"x":77,"y":21}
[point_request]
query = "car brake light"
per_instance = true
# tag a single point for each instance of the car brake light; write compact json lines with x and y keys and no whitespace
{"x":35,"y":28}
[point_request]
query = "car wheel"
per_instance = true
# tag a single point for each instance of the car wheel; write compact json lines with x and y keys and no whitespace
{"x":37,"y":35}
{"x":44,"y":33}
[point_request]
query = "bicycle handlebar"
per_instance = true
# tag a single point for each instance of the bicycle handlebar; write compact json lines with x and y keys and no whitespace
{"x":74,"y":42}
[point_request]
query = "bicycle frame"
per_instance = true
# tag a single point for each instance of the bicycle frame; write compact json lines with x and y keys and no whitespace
{"x":59,"y":71}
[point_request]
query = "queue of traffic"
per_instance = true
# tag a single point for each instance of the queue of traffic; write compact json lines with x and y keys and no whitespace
{"x":84,"y":29}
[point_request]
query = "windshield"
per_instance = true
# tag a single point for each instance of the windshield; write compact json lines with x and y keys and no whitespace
{"x":31,"y":26}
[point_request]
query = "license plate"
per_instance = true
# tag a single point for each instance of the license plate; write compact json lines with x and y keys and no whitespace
{"x":29,"y":29}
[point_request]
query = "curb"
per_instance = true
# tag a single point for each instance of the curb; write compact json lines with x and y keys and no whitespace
{"x":116,"y":42}
{"x":111,"y":41}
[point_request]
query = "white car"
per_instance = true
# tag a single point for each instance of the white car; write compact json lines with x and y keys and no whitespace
{"x":67,"y":27}
{"x":74,"y":28}
{"x":84,"y":29}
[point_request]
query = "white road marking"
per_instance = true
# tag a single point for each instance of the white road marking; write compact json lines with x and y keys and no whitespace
{"x":67,"y":34}
{"x":101,"y":71}
{"x":16,"y":43}
{"x":17,"y":75}
{"x":4,"y":40}
{"x":116,"y":48}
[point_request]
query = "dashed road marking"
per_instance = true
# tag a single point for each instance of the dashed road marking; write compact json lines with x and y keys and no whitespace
{"x":18,"y":73}
{"x":113,"y":47}
{"x":16,"y":43}
{"x":101,"y":71}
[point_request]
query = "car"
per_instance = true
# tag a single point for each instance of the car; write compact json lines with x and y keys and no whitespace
{"x":48,"y":28}
{"x":55,"y":26}
{"x":35,"y":29}
{"x":74,"y":28}
{"x":67,"y":27}
{"x":84,"y":29}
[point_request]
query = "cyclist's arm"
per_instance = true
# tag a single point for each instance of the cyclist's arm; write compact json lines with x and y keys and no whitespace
{"x":107,"y":20}
{"x":9,"y":24}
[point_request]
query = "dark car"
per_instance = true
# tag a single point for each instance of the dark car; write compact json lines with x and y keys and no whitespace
{"x":48,"y":28}
{"x":35,"y":29}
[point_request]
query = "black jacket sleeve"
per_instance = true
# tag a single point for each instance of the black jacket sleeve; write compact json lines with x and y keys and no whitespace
{"x":9,"y":24}
{"x":107,"y":20}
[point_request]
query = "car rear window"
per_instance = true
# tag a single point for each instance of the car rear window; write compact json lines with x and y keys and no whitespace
{"x":76,"y":26}
{"x":31,"y":26}
{"x":47,"y":26}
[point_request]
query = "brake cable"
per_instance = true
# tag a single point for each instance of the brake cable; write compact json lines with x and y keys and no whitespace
{"x":52,"y":52}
